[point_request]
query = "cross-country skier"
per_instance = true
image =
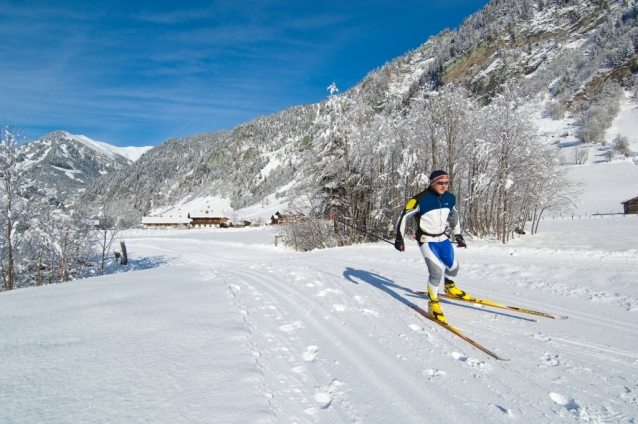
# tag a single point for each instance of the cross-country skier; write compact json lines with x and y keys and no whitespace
{"x":433,"y":209}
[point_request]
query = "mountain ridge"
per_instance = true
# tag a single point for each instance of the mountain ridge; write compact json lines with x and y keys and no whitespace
{"x":562,"y":51}
{"x":61,"y":165}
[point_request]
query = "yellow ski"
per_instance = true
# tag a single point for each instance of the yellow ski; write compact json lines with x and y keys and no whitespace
{"x":457,"y":332}
{"x":494,"y":305}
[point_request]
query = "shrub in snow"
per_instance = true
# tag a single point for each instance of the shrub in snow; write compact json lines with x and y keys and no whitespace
{"x":581,"y":155}
{"x":621,"y":145}
{"x":556,"y":110}
{"x":597,"y":115}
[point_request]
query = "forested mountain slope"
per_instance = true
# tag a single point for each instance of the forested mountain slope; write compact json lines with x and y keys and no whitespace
{"x":61,"y":166}
{"x":458,"y":101}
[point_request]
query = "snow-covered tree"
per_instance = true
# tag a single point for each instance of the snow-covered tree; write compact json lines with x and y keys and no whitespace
{"x":16,"y":208}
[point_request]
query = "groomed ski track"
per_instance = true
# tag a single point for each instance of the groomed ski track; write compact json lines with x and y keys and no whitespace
{"x":327,"y":336}
{"x":376,"y":358}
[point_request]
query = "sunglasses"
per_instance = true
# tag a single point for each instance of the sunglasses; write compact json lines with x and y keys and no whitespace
{"x":442,"y":183}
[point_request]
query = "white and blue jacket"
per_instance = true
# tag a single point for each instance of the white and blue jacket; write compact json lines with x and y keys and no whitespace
{"x":433,"y":213}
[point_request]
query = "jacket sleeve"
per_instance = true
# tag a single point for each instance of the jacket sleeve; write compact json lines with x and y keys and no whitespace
{"x":411,"y":208}
{"x":453,"y":220}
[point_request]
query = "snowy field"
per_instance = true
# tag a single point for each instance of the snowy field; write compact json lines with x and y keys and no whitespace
{"x":223,"y":327}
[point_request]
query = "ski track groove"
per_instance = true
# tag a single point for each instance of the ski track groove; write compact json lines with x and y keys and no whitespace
{"x":329,"y":336}
{"x":604,"y":358}
{"x":565,"y":343}
{"x":468,"y":363}
{"x":511,"y":393}
{"x":501,"y":297}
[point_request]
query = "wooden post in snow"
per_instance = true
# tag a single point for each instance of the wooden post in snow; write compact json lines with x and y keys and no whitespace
{"x":124,"y":259}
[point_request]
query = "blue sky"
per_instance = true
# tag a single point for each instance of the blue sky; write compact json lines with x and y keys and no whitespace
{"x":134,"y":73}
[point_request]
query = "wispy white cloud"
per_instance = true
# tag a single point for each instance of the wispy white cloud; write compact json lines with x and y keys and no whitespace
{"x":134,"y":73}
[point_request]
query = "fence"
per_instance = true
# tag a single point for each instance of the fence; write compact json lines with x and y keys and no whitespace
{"x":586,"y":216}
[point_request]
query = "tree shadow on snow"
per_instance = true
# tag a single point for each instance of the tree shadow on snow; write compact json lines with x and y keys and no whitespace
{"x":386,"y":285}
{"x":141,"y":264}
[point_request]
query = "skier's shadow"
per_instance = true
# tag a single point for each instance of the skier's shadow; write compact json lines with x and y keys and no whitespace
{"x":378,"y":281}
{"x":386,"y":285}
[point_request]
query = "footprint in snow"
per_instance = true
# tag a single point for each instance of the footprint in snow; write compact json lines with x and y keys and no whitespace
{"x":339,"y":307}
{"x":474,"y":363}
{"x":323,"y":399}
{"x":459,"y":356}
{"x":310,"y":354}
{"x":298,"y":370}
{"x":542,"y":337}
{"x":311,"y":411}
{"x":551,"y":360}
{"x":434,"y":372}
{"x":289,"y":327}
{"x":505,"y":410}
{"x":569,"y":404}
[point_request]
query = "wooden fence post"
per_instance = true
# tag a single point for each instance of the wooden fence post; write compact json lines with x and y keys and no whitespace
{"x":124,"y":259}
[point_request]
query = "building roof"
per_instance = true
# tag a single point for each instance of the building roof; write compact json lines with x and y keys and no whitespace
{"x":207,"y":214}
{"x":629,"y":200}
{"x":165,"y":220}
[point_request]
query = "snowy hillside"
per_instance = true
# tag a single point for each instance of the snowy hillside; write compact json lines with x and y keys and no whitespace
{"x":604,"y":184}
{"x":221,"y":326}
{"x":555,"y":58}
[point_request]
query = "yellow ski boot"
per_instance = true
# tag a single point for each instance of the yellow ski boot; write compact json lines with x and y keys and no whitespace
{"x":434,"y":309}
{"x":453,"y":291}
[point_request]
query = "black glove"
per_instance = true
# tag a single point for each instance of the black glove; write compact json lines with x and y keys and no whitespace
{"x":460,"y":241}
{"x":398,"y":244}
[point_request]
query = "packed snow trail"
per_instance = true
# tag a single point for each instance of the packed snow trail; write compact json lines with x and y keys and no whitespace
{"x":229,"y":328}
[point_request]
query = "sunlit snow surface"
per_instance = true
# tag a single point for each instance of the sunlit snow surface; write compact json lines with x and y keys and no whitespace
{"x":221,"y":326}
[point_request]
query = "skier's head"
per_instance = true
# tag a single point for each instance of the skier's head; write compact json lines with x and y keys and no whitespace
{"x":439,"y":181}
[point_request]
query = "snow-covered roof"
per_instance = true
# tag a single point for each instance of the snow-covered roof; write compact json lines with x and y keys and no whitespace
{"x":207,"y":214}
{"x":165,"y":220}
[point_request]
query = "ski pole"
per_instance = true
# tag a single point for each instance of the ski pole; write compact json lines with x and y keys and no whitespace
{"x":359,"y":229}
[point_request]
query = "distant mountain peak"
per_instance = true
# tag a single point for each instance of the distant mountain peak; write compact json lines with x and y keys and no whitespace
{"x":62,"y":165}
{"x":131,"y":153}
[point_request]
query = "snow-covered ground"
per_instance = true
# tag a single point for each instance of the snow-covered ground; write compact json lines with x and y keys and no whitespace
{"x":222,"y":326}
{"x":604,"y":186}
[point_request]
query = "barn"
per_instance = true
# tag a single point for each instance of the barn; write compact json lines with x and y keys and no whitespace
{"x":279,"y":219}
{"x":630,"y":206}
{"x":165,"y":222}
{"x":202,"y":219}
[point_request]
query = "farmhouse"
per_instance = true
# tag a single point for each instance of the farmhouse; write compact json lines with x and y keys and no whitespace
{"x":207,"y":219}
{"x":630,"y":206}
{"x":279,"y":219}
{"x":165,"y":222}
